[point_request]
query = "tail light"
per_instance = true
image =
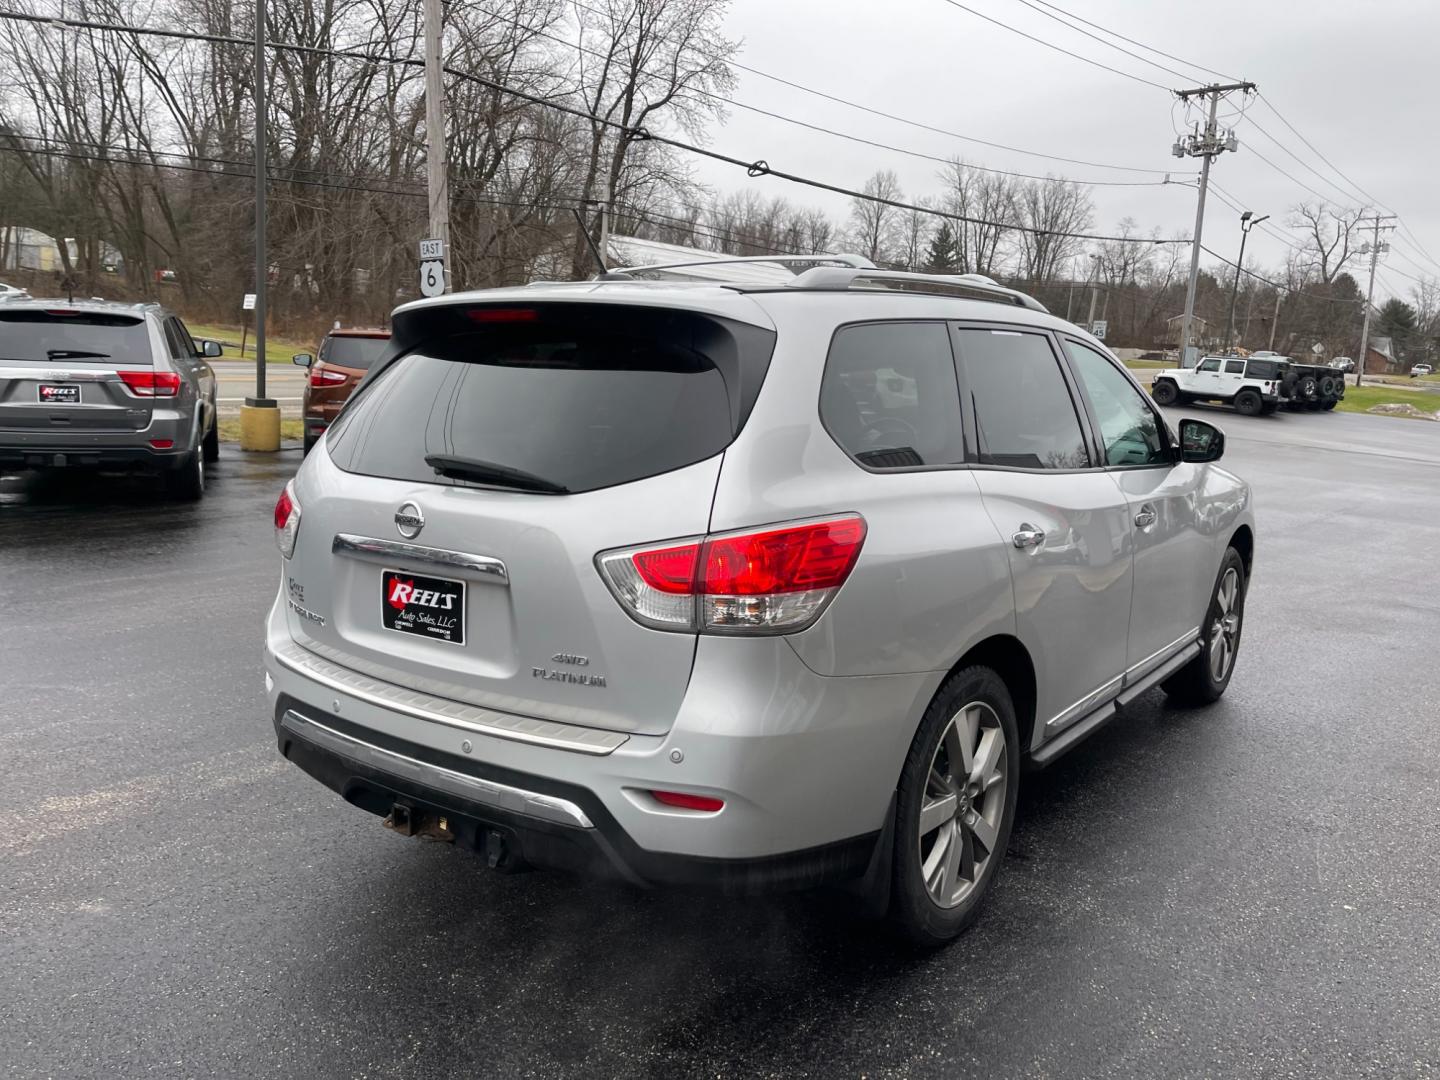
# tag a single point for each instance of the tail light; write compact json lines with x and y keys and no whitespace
{"x":502,"y":315}
{"x":326,"y":377}
{"x":151,"y":383}
{"x":773,"y":581}
{"x":287,"y":520}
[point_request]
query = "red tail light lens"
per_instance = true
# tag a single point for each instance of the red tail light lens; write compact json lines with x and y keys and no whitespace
{"x":287,"y":520}
{"x":686,"y":801}
{"x":775,"y":580}
{"x":322,"y":376}
{"x":151,"y":383}
{"x":502,"y":315}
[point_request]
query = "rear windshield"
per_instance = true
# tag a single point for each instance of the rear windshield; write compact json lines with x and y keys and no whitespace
{"x":353,"y":352}
{"x":81,"y":338}
{"x":570,"y":397}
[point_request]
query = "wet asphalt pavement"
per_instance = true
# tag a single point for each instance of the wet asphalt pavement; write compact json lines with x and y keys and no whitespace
{"x":1252,"y":889}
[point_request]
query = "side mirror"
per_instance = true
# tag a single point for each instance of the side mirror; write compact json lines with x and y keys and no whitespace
{"x":1200,"y":442}
{"x":211,"y":350}
{"x":304,"y":359}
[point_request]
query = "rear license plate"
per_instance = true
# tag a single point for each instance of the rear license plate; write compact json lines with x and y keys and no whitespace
{"x":424,"y":606}
{"x":59,"y":394}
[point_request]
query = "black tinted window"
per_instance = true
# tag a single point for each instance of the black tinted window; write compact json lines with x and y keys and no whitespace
{"x":353,"y":352}
{"x":1129,"y":428}
{"x":1024,"y":415}
{"x":580,"y":398}
{"x":79,"y":338}
{"x":1209,"y":365}
{"x":1234,"y":367}
{"x":889,"y":396}
{"x":1266,"y":369}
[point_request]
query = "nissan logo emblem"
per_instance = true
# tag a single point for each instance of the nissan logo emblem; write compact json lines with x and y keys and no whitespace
{"x":409,"y":520}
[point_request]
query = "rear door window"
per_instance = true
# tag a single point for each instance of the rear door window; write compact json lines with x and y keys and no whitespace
{"x":568,"y":399}
{"x":889,"y":396}
{"x":1024,"y":414}
{"x":74,"y":337}
{"x":1234,"y":367}
{"x":352,"y":352}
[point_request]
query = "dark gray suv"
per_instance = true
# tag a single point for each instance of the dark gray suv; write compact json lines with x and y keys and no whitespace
{"x":101,"y":385}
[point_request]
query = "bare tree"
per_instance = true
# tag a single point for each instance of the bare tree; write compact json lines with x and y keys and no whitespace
{"x":988,"y":200}
{"x":1331,"y":239}
{"x":1052,"y":210}
{"x":875,"y":226}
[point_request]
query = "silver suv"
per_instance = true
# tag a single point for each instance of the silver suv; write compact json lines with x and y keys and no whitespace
{"x":99,"y":385}
{"x":760,"y":585}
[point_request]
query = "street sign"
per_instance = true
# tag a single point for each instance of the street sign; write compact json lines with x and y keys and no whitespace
{"x":1098,"y":328}
{"x":432,"y":277}
{"x":432,"y":267}
{"x":249,"y":304}
{"x":1317,"y":348}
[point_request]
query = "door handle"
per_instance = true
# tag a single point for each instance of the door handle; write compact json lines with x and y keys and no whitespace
{"x":1146,"y":517}
{"x":1028,"y":536}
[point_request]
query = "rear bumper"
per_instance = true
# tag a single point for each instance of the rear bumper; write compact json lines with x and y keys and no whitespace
{"x":84,"y":455}
{"x":806,"y":764}
{"x":517,"y":818}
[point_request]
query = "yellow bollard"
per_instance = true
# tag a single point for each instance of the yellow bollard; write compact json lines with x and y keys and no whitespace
{"x":260,"y":428}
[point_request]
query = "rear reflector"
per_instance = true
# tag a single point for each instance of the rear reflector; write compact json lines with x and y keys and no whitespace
{"x":686,"y":801}
{"x":151,"y":383}
{"x":162,"y":444}
{"x":775,"y":580}
{"x":502,"y":315}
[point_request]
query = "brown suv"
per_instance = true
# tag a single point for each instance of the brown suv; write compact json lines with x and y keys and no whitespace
{"x":344,"y":357}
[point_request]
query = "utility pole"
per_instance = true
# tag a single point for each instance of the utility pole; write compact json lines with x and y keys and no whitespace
{"x":437,"y":176}
{"x":1275,"y":321}
{"x":1206,"y":147}
{"x":1374,"y":248}
{"x":1094,"y":272}
{"x":260,"y":415}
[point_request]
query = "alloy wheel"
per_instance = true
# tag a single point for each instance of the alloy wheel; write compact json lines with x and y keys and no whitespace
{"x":1225,"y":626}
{"x":964,"y":805}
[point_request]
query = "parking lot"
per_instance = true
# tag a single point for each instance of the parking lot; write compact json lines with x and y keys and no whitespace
{"x":1249,"y":889}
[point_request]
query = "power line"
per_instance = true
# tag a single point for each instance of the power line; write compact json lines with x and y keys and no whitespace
{"x":1138,"y":44}
{"x":1276,"y":284}
{"x":860,"y":139}
{"x":1344,"y":195}
{"x":754,"y":168}
{"x":1109,"y":44}
{"x":1052,"y":45}
{"x":917,"y":124}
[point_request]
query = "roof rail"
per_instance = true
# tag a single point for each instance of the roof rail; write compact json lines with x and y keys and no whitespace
{"x":858,"y":262}
{"x":968,"y":286}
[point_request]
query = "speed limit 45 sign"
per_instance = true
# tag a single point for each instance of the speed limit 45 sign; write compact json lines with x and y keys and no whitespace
{"x":432,"y":267}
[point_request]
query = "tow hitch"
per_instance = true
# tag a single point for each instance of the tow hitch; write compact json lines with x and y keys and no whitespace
{"x":408,"y":820}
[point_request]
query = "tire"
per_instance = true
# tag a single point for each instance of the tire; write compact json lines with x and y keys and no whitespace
{"x":1326,"y":386}
{"x":1197,"y":682}
{"x":974,"y":705}
{"x":187,"y":483}
{"x":1306,"y":388}
{"x":1329,"y":405}
{"x":210,"y":447}
{"x":1165,"y":392}
{"x":1248,"y":403}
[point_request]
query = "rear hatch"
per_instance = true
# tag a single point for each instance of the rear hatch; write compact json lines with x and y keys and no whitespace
{"x":561,"y":430}
{"x":64,"y":369}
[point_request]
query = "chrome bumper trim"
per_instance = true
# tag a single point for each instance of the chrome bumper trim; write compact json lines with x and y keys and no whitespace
{"x":488,"y":792}
{"x":472,"y":718}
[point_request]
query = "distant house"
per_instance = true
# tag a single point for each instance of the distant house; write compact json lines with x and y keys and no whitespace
{"x":1380,"y":358}
{"x":27,"y":249}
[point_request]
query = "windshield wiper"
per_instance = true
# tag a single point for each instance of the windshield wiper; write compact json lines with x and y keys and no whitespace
{"x":75,"y":354}
{"x":487,"y":472}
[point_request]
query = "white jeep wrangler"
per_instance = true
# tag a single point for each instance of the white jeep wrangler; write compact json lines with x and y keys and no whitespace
{"x":1252,"y":385}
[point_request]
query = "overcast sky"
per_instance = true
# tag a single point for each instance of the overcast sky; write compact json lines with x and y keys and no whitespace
{"x":1357,"y":80}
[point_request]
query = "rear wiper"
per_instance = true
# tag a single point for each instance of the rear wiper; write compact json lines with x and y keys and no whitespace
{"x":487,"y":472}
{"x":75,"y":354}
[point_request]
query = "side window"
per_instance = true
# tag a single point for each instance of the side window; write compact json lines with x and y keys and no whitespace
{"x":1209,"y":365}
{"x":1024,"y":415}
{"x":1234,"y":367}
{"x":889,"y":398}
{"x":185,"y":339}
{"x":173,"y":340}
{"x":1129,"y":428}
